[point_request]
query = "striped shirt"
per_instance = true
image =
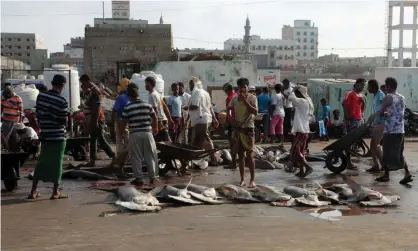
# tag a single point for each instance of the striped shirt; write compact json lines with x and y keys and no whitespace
{"x":139,"y":115}
{"x":51,"y":111}
{"x":11,"y":108}
{"x":94,"y":98}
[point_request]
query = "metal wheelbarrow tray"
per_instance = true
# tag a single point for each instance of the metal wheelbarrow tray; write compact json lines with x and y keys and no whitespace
{"x":75,"y":148}
{"x":10,"y":165}
{"x":353,"y":143}
{"x":169,"y":152}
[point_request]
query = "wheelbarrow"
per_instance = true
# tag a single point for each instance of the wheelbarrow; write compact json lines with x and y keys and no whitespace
{"x":10,"y":168}
{"x":170,"y":152}
{"x":75,"y":147}
{"x":336,"y":160}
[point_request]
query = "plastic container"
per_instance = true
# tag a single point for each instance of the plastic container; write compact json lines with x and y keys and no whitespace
{"x":28,"y":94}
{"x":65,"y":70}
{"x":139,"y":79}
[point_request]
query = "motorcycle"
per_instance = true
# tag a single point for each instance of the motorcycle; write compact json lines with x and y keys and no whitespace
{"x":411,"y":122}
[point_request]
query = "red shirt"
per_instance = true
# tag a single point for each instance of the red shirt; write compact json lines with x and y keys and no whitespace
{"x":354,"y":103}
{"x":228,"y":100}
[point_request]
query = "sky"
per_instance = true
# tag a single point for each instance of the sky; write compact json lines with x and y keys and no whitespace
{"x":350,"y":28}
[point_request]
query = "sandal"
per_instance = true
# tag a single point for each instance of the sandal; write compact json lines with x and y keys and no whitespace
{"x":60,"y":196}
{"x":382,"y":179}
{"x":34,"y":196}
{"x":406,"y":180}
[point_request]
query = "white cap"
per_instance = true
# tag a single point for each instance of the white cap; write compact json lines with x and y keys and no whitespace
{"x":251,"y":88}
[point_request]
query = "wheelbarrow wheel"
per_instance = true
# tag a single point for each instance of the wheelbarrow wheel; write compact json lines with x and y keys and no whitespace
{"x":336,"y":162}
{"x":10,"y":184}
{"x":169,"y":165}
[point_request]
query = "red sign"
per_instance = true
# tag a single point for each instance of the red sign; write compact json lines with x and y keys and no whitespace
{"x":270,"y":81}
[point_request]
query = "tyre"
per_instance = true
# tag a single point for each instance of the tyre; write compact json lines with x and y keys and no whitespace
{"x":10,"y":184}
{"x":165,"y":166}
{"x":336,"y":162}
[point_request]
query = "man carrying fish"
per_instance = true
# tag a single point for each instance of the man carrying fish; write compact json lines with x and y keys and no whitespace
{"x":142,"y":122}
{"x":245,"y":108}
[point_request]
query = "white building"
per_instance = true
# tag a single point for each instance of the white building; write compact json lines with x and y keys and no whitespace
{"x":306,"y":36}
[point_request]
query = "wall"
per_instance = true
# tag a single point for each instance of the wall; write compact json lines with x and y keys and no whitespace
{"x":212,"y":73}
{"x":407,"y":78}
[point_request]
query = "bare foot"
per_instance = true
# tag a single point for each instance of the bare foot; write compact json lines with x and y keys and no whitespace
{"x":252,"y":184}
{"x":309,"y":170}
{"x":242,"y":183}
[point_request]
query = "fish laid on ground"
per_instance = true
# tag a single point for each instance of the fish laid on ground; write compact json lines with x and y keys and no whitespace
{"x":170,"y":192}
{"x":328,"y":195}
{"x":264,"y":164}
{"x":236,"y":193}
{"x":290,"y":203}
{"x":343,"y":190}
{"x":202,"y":193}
{"x":226,"y":156}
{"x":82,"y":174}
{"x":130,"y":205}
{"x":311,"y":200}
{"x":297,"y":192}
{"x":269,"y":194}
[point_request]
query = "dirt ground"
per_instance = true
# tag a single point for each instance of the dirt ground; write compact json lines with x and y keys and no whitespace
{"x":85,"y":222}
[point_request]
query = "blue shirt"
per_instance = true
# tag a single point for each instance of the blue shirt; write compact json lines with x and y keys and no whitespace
{"x":263,"y":103}
{"x":120,"y":103}
{"x":175,"y":106}
{"x":377,"y":104}
{"x":325,"y":112}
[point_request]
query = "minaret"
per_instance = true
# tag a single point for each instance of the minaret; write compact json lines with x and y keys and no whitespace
{"x":247,"y":37}
{"x":161,"y":19}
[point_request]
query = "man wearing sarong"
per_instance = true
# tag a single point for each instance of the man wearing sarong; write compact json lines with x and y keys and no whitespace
{"x":12,"y":110}
{"x":160,"y":109}
{"x":174,"y":104}
{"x":246,"y":108}
{"x":121,"y":139}
{"x":393,"y":108}
{"x":303,"y":110}
{"x":229,"y":91}
{"x":354,"y":104}
{"x":185,"y":133}
{"x":142,"y":122}
{"x":201,"y":115}
{"x":51,"y":111}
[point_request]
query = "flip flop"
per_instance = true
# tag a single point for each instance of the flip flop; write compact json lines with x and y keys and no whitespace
{"x":60,"y":196}
{"x":34,"y":197}
{"x":406,"y":180}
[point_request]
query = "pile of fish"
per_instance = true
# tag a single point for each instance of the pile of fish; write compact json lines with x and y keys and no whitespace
{"x":191,"y":194}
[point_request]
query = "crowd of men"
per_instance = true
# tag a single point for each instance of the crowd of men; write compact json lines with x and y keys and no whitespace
{"x":186,"y":118}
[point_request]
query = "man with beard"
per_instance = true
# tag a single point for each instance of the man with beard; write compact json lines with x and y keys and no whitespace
{"x":201,"y":115}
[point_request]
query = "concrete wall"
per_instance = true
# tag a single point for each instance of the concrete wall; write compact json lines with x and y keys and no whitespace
{"x":212,"y":73}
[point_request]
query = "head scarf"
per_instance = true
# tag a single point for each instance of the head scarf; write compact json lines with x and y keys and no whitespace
{"x":198,"y":85}
{"x":304,"y":91}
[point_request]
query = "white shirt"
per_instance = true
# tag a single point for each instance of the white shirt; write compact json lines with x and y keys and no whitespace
{"x":155,"y":100}
{"x":301,"y":119}
{"x":202,"y":115}
{"x":278,"y":101}
{"x":28,"y":134}
{"x":185,"y":98}
{"x":287,"y":102}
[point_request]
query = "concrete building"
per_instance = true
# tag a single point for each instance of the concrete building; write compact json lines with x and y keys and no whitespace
{"x":306,"y":35}
{"x":13,"y":69}
{"x":25,"y":47}
{"x":401,"y":27}
{"x":73,"y":54}
{"x":114,"y":47}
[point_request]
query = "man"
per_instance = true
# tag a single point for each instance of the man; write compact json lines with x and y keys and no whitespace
{"x":337,"y":127}
{"x":230,"y":95}
{"x":142,"y":123}
{"x":277,"y":116}
{"x":288,"y":107}
{"x":325,"y":117}
{"x":95,"y":120}
{"x":263,"y":107}
{"x":185,"y":133}
{"x":245,"y":107}
{"x":174,"y":104}
{"x":201,"y":115}
{"x":378,"y":126}
{"x":121,"y":139}
{"x":28,"y":139}
{"x":253,"y":90}
{"x":12,"y":110}
{"x":52,"y":114}
{"x":303,"y":109}
{"x":160,"y":110}
{"x":353,"y":110}
{"x":383,"y":89}
{"x":393,"y":107}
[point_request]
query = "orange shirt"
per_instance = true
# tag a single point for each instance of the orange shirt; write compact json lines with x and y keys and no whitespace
{"x":354,"y":103}
{"x":11,"y":108}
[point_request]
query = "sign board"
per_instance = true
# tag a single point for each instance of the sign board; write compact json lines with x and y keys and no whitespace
{"x":120,"y":9}
{"x":270,"y":81}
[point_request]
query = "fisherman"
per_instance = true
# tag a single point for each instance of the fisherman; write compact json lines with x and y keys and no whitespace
{"x":354,"y":104}
{"x":392,"y":108}
{"x":201,"y":115}
{"x":143,"y":123}
{"x":28,"y":139}
{"x":263,"y":107}
{"x":52,"y":114}
{"x":277,"y":116}
{"x":245,"y":107}
{"x":230,"y":95}
{"x":185,"y":133}
{"x":378,"y":126}
{"x":12,"y":110}
{"x":303,"y":109}
{"x":288,"y":107}
{"x":122,"y":150}
{"x":174,"y":104}
{"x":95,"y":120}
{"x":160,"y":109}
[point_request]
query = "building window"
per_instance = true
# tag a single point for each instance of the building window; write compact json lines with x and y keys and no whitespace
{"x":306,"y":23}
{"x":27,"y":39}
{"x":291,"y":48}
{"x":253,"y":47}
{"x":259,"y":48}
{"x":304,"y":54}
{"x":28,"y":54}
{"x":19,"y":54}
{"x":305,"y":40}
{"x":312,"y":54}
{"x":305,"y":33}
{"x":298,"y":33}
{"x":233,"y":47}
{"x":312,"y":47}
{"x":291,"y":57}
{"x":286,"y":57}
{"x":19,"y":47}
{"x":10,"y":39}
{"x":312,"y":33}
{"x":312,"y":40}
{"x":298,"y":54}
{"x":305,"y":47}
{"x":264,"y":47}
{"x":10,"y":46}
{"x":298,"y":47}
{"x":28,"y":47}
{"x":298,"y":40}
{"x":2,"y":54}
{"x":280,"y":57}
{"x":280,"y":48}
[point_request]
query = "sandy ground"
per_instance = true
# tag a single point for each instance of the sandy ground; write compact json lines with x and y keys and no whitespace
{"x":84,"y":221}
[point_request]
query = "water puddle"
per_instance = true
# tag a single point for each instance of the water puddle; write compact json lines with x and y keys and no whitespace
{"x":336,"y":213}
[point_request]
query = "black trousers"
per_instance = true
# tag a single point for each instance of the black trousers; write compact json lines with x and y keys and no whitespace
{"x":287,"y":126}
